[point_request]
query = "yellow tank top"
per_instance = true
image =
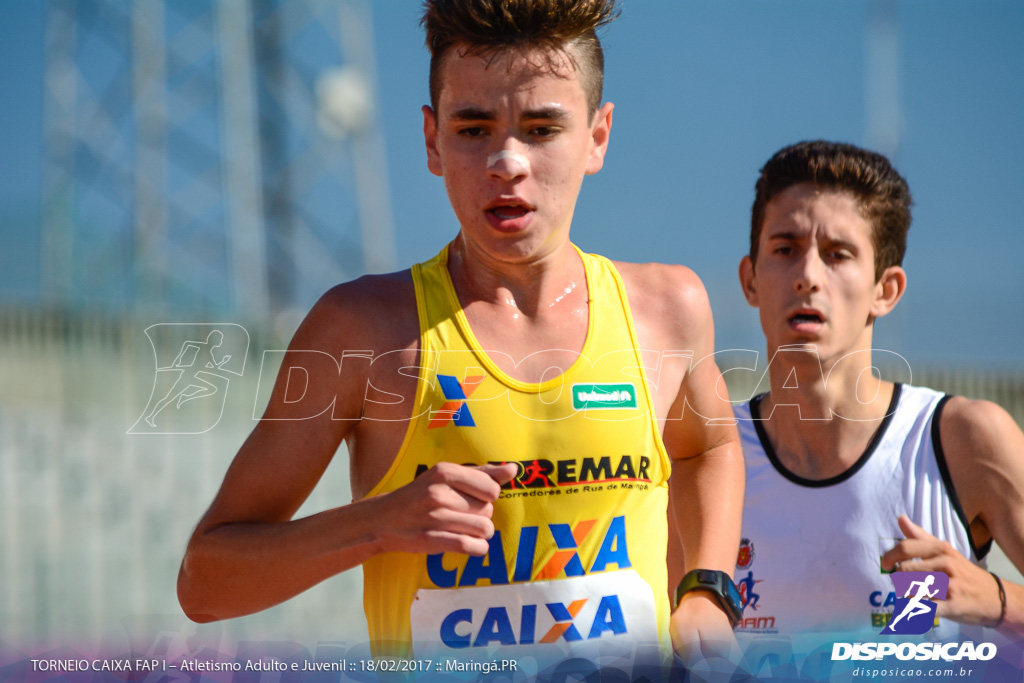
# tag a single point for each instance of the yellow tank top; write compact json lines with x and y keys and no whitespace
{"x":578,"y":556}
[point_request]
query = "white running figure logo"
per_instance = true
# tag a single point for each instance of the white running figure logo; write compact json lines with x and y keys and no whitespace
{"x":195,"y":385}
{"x":914,"y":607}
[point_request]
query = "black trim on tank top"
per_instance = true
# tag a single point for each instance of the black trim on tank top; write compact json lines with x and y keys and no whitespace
{"x":755,"y":413}
{"x":940,"y":459}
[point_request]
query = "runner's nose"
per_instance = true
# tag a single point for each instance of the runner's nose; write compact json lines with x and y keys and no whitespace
{"x":508,"y":164}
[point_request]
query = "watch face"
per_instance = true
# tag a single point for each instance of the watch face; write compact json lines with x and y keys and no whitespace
{"x":734,"y":594}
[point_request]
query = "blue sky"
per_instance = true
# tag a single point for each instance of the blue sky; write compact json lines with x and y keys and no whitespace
{"x":705,"y":92}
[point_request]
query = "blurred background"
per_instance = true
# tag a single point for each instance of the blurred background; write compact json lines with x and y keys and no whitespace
{"x":171,"y":169}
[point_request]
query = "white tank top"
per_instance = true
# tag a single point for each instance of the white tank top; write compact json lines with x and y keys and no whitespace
{"x":809,"y":559}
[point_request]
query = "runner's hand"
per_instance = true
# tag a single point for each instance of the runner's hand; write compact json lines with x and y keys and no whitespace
{"x":702,"y":635}
{"x":448,"y":508}
{"x":973,"y":596}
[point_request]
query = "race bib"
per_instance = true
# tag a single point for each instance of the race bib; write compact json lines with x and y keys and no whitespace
{"x":546,"y":616}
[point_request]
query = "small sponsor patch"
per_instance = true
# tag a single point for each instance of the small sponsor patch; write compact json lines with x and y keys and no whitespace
{"x":603,"y":396}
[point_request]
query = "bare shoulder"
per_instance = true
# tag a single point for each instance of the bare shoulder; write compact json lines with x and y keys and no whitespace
{"x":357,"y":332}
{"x":978,"y":429}
{"x":372,"y":313}
{"x":661,"y":280}
{"x":668,"y":301}
{"x":984,"y":449}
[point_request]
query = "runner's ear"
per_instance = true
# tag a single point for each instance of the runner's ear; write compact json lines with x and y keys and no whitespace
{"x":430,"y":139}
{"x":889,"y":290}
{"x":600,"y":131}
{"x":748,"y":281}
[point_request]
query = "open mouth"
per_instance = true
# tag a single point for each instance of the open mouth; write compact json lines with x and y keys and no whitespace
{"x":507,"y":213}
{"x":800,"y":318}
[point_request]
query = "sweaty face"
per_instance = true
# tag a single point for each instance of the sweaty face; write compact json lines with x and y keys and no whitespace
{"x":814,"y":281}
{"x":512,"y":140}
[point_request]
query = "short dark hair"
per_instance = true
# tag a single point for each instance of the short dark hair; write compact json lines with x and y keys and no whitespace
{"x":491,"y":27}
{"x":879,"y":190}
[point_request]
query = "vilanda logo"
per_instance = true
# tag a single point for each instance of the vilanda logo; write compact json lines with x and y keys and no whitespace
{"x":914,"y":615}
{"x":603,"y":396}
{"x":455,"y":410}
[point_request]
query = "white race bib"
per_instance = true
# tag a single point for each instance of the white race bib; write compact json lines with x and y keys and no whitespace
{"x":545,"y":616}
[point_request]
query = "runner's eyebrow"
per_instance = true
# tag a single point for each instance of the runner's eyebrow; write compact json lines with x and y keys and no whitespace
{"x":476,"y":114}
{"x":548,"y":113}
{"x":841,"y":243}
{"x":473,"y":114}
{"x":825,"y":241}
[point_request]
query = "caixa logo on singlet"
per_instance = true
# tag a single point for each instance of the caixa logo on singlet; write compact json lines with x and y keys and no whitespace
{"x":536,"y":598}
{"x":559,"y":614}
{"x":455,"y":409}
{"x":495,"y":570}
{"x":459,"y":631}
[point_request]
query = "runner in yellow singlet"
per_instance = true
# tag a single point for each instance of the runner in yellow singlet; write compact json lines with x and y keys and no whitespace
{"x":512,"y":408}
{"x":576,"y":523}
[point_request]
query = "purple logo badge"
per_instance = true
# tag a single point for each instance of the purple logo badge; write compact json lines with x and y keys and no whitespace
{"x":914,"y":613}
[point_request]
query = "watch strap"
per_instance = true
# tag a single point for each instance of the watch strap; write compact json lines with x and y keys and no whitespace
{"x":719,"y":584}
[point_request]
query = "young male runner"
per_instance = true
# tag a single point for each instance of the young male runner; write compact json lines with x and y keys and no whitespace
{"x":839,"y":463}
{"x":512,"y":408}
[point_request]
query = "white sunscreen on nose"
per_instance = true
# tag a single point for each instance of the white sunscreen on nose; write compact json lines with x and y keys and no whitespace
{"x":514,"y":158}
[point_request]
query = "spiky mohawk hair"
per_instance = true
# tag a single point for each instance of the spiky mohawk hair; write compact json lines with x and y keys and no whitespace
{"x":490,"y":27}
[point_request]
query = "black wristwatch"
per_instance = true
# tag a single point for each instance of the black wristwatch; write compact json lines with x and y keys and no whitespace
{"x":719,"y":585}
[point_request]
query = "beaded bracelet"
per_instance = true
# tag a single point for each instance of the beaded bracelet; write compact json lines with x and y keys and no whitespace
{"x":1002,"y":601}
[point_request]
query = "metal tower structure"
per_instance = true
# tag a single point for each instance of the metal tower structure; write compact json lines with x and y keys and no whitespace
{"x":210,"y":158}
{"x":883,"y":113}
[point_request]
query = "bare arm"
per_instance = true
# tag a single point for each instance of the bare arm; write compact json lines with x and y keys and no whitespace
{"x":707,"y":479}
{"x":700,"y":435}
{"x":985,"y":452}
{"x":247,"y":553}
{"x":707,"y":473}
{"x":240,"y":567}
